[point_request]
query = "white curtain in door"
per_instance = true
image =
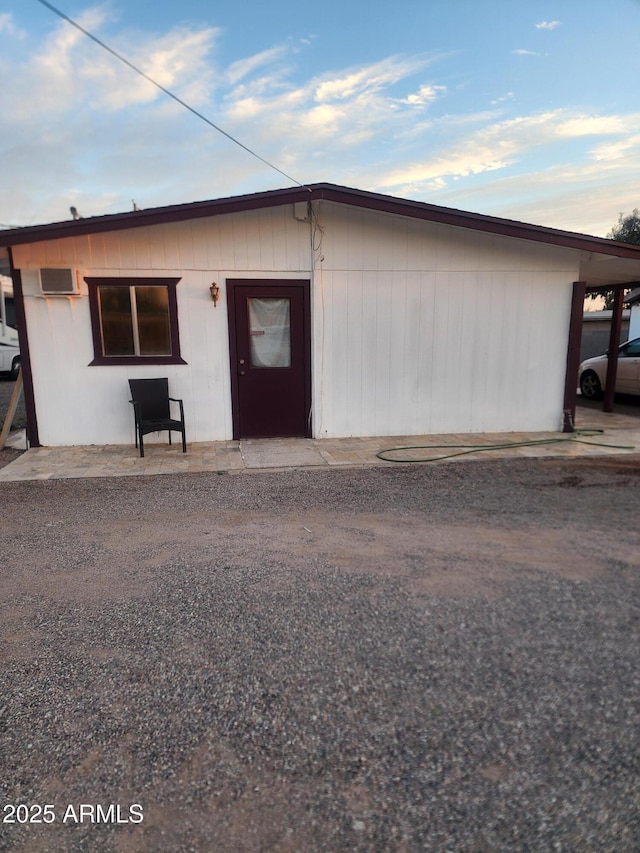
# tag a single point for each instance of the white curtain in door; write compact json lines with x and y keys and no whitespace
{"x":269,"y":330}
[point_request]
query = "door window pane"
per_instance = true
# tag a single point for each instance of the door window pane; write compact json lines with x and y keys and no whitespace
{"x":270,"y":332}
{"x":117,"y":328}
{"x":152,"y":304}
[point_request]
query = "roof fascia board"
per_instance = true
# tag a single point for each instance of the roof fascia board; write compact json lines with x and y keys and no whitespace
{"x":480,"y":222}
{"x":153,"y":216}
{"x":315,"y":192}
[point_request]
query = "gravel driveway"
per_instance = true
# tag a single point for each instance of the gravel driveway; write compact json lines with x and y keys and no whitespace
{"x":407,"y":659}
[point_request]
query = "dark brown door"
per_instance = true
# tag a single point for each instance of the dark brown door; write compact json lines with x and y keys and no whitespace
{"x":270,"y":342}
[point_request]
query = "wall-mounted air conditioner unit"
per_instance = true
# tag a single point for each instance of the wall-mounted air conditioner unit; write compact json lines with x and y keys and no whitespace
{"x":59,"y":282}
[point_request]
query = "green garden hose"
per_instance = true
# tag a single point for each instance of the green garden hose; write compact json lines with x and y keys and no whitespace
{"x":464,"y":449}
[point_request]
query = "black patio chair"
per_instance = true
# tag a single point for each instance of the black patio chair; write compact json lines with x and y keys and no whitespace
{"x":152,"y":410}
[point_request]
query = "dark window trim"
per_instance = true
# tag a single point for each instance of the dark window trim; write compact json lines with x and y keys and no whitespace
{"x":132,"y":281}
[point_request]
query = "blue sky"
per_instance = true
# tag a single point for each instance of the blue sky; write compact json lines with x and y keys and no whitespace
{"x":527,"y":110}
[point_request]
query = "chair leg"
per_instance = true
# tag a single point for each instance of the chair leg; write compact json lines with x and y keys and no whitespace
{"x":184,"y":441}
{"x":141,"y":446}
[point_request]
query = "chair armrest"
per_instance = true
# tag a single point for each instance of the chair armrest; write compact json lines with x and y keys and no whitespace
{"x":179,"y":402}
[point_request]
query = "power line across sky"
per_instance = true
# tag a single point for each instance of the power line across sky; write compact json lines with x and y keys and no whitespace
{"x":486,"y":105}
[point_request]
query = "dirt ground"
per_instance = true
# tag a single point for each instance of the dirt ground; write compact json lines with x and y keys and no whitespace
{"x":6,"y":390}
{"x":392,"y":659}
{"x":8,"y":454}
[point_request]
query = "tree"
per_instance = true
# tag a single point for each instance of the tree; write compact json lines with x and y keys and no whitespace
{"x":628,"y":228}
{"x":626,"y":231}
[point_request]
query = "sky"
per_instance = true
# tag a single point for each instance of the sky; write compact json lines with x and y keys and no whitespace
{"x":524,"y":110}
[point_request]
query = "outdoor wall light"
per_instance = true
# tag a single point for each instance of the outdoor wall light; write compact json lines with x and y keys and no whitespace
{"x":214,"y":290}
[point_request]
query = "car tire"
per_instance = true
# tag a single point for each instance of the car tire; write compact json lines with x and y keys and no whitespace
{"x":590,"y":386}
{"x":15,"y":368}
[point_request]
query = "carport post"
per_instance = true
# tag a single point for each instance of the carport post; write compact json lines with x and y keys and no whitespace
{"x":25,"y":357}
{"x":573,"y":356}
{"x":614,"y":343}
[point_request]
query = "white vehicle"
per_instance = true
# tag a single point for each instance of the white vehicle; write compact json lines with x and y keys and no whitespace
{"x":9,"y":345}
{"x":592,"y":373}
{"x":10,"y":353}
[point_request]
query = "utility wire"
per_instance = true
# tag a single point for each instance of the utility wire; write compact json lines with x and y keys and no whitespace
{"x":166,"y":91}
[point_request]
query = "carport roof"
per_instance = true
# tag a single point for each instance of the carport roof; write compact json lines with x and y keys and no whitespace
{"x":633,"y":298}
{"x":602,"y":261}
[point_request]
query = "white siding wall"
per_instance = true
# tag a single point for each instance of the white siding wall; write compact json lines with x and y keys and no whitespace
{"x":78,"y":404}
{"x":634,"y":322}
{"x":416,"y":327}
{"x":427,"y":328}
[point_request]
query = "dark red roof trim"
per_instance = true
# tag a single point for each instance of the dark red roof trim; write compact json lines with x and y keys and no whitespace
{"x":315,"y":192}
{"x":634,"y":297}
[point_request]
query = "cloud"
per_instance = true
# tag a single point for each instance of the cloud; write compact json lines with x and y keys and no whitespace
{"x":178,"y":61}
{"x":81,"y":128}
{"x":547,"y":25}
{"x":586,"y":125}
{"x":7,"y":26}
{"x":80,"y":121}
{"x":367,"y":78}
{"x":582,"y":197}
{"x":619,"y":150}
{"x":509,"y":96}
{"x":341,"y":109}
{"x":243,"y":67}
{"x":587,"y":200}
{"x":69,"y":72}
{"x":522,"y":52}
{"x":487,"y":150}
{"x":425,"y":95}
{"x":503,"y":144}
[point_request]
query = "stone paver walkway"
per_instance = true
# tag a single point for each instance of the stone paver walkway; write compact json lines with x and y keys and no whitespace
{"x":620,"y":434}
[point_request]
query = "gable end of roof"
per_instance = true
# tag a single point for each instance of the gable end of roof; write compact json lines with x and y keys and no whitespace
{"x":318,"y":192}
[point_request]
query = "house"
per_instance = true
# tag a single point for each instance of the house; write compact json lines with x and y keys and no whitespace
{"x":596,"y":331}
{"x":633,"y":301}
{"x":311,"y":311}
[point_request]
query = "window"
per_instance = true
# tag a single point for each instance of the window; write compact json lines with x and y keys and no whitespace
{"x":631,"y":350}
{"x":270,"y":331}
{"x":134,"y":321}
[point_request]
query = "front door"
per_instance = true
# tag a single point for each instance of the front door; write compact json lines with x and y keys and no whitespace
{"x":270,"y":345}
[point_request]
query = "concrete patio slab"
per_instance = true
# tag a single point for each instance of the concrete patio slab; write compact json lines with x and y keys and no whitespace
{"x":280,"y":453}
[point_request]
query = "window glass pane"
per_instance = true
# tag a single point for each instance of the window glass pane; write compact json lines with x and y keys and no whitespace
{"x":115,"y":314}
{"x":269,"y":331}
{"x":153,"y":320}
